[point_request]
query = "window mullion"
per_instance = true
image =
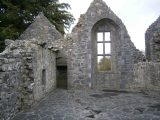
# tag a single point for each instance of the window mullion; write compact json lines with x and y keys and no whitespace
{"x":103,"y":44}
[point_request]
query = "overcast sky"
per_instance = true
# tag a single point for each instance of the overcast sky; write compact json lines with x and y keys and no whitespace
{"x":137,"y":15}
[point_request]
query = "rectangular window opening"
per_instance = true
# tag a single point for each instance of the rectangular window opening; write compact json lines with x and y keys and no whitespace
{"x":43,"y":77}
{"x":100,"y":36}
{"x":107,"y":36}
{"x":103,"y":51}
{"x":100,"y":48}
{"x":107,"y":48}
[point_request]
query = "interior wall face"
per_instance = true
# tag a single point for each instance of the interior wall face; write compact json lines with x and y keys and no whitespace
{"x":77,"y":64}
{"x":146,"y":76}
{"x":108,"y":79}
{"x":44,"y":72}
{"x":152,"y":42}
{"x":82,"y":58}
{"x":82,"y":71}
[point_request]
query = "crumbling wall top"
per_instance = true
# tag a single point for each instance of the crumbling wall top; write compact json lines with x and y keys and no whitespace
{"x":152,"y":41}
{"x":97,"y":11}
{"x":154,"y":26}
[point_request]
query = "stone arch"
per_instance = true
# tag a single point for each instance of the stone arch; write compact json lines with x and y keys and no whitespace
{"x":105,"y":21}
{"x":81,"y":60}
{"x":105,"y":25}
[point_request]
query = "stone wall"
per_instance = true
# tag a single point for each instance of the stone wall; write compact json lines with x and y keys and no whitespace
{"x":28,"y":72}
{"x":22,"y":65}
{"x":146,"y":77}
{"x":44,"y":69}
{"x":82,"y":56}
{"x":10,"y":73}
{"x":28,"y":67}
{"x":41,"y":29}
{"x":152,"y":41}
{"x":16,"y":79}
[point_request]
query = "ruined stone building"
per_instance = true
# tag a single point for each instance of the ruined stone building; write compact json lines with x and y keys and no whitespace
{"x":153,"y":41}
{"x":147,"y":74}
{"x":97,"y":54}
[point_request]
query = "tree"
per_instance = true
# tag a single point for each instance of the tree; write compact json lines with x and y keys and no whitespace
{"x":17,"y":15}
{"x":104,"y":64}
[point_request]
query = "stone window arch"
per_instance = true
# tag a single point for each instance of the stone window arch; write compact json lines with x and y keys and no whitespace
{"x":104,"y":35}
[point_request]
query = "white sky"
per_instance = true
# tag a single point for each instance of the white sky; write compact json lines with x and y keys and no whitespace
{"x":137,"y":15}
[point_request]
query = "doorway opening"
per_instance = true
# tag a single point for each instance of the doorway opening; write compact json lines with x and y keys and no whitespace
{"x":62,"y":77}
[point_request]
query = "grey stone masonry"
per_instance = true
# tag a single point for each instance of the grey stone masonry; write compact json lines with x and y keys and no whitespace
{"x":82,"y":60}
{"x":41,"y":29}
{"x":22,"y":79}
{"x":31,"y":66}
{"x":16,"y":78}
{"x":152,"y":40}
{"x":146,"y":77}
{"x":94,"y":105}
{"x":10,"y":72}
{"x":28,"y":67}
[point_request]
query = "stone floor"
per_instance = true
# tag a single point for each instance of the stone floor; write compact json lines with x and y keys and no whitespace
{"x":94,"y":105}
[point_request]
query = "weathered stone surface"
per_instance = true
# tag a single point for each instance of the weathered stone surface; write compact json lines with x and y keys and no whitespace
{"x":41,"y":29}
{"x":82,"y":58}
{"x":28,"y":71}
{"x":147,"y":74}
{"x":82,"y":105}
{"x":146,"y":77}
{"x":152,"y":40}
{"x":28,"y":68}
{"x":21,"y":76}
